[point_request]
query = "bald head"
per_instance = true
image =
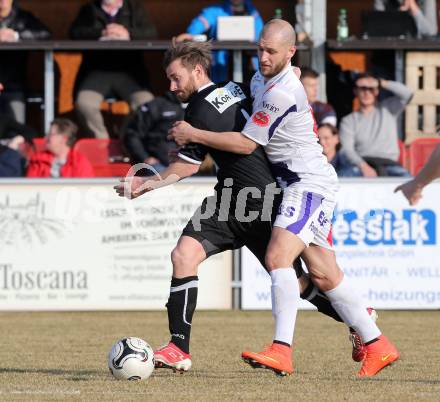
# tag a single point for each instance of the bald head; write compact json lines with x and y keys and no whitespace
{"x":276,"y":47}
{"x":279,"y":30}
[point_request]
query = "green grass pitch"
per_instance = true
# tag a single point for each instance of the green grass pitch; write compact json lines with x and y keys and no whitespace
{"x":63,"y":356}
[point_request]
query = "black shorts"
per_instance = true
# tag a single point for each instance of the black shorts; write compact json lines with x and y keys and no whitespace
{"x":217,"y":235}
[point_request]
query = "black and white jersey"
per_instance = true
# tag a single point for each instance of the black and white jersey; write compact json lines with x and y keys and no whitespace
{"x":223,"y":108}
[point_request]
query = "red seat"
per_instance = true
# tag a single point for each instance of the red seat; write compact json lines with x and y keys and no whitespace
{"x":419,"y":152}
{"x":402,"y":154}
{"x":112,"y":169}
{"x":106,"y":156}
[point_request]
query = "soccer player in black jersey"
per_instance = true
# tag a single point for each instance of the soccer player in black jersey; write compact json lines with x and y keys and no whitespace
{"x":245,"y":188}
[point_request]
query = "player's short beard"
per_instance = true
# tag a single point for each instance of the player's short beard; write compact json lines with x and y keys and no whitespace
{"x":276,"y":69}
{"x":187,"y":91}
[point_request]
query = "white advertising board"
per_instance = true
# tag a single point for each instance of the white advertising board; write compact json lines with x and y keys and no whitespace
{"x":81,"y":247}
{"x":388,"y":249}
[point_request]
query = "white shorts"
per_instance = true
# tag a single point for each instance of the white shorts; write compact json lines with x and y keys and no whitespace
{"x":308,"y":215}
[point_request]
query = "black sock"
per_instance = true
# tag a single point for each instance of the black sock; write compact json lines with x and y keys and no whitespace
{"x":281,"y":343}
{"x":320,"y":301}
{"x":372,"y":341}
{"x":181,"y":306}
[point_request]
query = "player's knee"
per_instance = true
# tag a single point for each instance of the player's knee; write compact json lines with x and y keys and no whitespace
{"x":325,"y":279}
{"x":273,"y":261}
{"x":183,"y":262}
{"x":86,"y":103}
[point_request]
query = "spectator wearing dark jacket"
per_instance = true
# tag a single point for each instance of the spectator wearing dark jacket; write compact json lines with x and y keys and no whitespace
{"x":12,"y":162}
{"x":59,"y":159}
{"x":145,"y":134}
{"x":16,"y":24}
{"x":111,"y":73}
{"x":10,"y":128}
{"x":424,"y":13}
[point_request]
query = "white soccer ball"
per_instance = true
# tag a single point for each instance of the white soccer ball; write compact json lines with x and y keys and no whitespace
{"x":131,"y":359}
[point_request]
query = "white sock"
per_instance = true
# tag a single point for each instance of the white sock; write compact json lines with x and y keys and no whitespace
{"x":285,"y":298}
{"x":351,"y":309}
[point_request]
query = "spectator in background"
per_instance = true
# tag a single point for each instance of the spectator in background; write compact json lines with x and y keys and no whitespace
{"x":425,"y":14}
{"x":323,"y":112}
{"x":369,"y":136}
{"x":329,"y":139}
{"x":59,"y":159}
{"x":12,"y":162}
{"x":107,"y":73}
{"x":13,"y":137}
{"x":145,"y":134}
{"x":10,"y":128}
{"x":16,"y":24}
{"x":206,"y":23}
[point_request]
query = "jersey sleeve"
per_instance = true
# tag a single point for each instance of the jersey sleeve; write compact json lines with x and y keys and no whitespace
{"x":269,"y":115}
{"x":192,"y":152}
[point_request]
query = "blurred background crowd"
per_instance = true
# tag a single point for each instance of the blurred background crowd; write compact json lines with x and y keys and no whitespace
{"x":113,"y":108}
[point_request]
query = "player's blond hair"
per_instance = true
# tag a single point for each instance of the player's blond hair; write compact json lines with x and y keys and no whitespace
{"x":190,"y":54}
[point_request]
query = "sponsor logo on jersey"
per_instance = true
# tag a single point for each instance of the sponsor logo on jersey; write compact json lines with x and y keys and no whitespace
{"x":261,"y":118}
{"x":223,"y":98}
{"x":270,"y":107}
{"x":385,"y":227}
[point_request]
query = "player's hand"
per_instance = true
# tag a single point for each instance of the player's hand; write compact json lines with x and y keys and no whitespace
{"x":135,"y":186}
{"x":181,"y":133}
{"x":411,"y":190}
{"x":1,"y":87}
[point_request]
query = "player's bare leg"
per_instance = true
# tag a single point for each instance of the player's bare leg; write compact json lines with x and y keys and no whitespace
{"x":186,"y":257}
{"x":283,"y":248}
{"x":379,"y":352}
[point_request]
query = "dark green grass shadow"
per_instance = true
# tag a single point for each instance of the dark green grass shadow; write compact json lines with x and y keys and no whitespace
{"x":72,"y":375}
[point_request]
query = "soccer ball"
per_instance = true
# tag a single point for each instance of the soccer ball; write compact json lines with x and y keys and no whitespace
{"x":131,"y":359}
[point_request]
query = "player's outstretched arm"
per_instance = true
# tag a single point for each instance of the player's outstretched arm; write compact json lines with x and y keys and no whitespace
{"x":132,"y":186}
{"x":412,"y":189}
{"x":183,"y":133}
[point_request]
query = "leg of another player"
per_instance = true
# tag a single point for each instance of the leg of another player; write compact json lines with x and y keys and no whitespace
{"x":310,"y":292}
{"x":322,"y":266}
{"x":186,"y":257}
{"x":321,"y":263}
{"x":283,"y":248}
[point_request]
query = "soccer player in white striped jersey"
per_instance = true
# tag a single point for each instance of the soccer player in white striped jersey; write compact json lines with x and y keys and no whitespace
{"x":282,"y":122}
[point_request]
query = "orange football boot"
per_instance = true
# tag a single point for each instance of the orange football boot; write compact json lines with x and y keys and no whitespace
{"x":379,"y":354}
{"x":359,"y":352}
{"x":275,"y":357}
